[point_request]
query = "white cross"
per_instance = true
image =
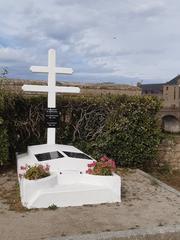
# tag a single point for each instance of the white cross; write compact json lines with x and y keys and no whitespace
{"x":51,"y":89}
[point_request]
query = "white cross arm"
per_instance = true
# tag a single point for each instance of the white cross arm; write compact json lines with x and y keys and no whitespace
{"x":64,"y":70}
{"x":35,"y":88}
{"x":39,"y":69}
{"x":67,"y":89}
{"x":43,"y":69}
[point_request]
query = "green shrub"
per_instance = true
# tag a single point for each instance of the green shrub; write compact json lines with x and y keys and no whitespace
{"x":4,"y":151}
{"x":4,"y":143}
{"x":122,"y":127}
{"x":131,"y":135}
{"x":52,"y":207}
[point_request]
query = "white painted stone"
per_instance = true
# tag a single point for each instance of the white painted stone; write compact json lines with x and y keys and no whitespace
{"x":68,"y":184}
{"x":51,"y":89}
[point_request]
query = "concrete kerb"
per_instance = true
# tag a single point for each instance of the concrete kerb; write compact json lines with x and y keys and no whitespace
{"x":134,"y":232}
{"x":161,"y":184}
{"x":122,"y":234}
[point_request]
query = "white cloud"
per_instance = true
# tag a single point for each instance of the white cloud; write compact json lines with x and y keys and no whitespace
{"x":15,"y":55}
{"x":111,"y":39}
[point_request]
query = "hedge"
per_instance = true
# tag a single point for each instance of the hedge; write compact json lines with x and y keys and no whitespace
{"x":4,"y":145}
{"x":123,"y":127}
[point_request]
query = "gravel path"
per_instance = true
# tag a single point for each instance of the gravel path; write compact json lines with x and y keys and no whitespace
{"x":144,"y":204}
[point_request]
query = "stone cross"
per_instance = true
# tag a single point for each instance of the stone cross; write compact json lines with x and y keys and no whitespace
{"x":51,"y":88}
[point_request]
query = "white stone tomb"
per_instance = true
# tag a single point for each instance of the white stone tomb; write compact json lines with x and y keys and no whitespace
{"x":68,"y":183}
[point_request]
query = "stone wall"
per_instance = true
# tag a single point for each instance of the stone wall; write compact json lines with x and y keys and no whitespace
{"x":171,"y":124}
{"x":115,"y":89}
{"x":86,"y":89}
{"x":169,"y":152}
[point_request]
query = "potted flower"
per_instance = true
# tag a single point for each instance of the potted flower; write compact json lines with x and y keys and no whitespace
{"x":33,"y":180}
{"x":35,"y":172}
{"x":104,"y":167}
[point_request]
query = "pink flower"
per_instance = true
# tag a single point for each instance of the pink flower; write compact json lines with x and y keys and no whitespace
{"x":20,"y":175}
{"x":22,"y":168}
{"x":105,"y":166}
{"x":103,"y":158}
{"x":89,"y":171}
{"x":46,"y":168}
{"x":93,"y":164}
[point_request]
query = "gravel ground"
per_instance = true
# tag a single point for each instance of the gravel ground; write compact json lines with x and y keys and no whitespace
{"x":144,"y":204}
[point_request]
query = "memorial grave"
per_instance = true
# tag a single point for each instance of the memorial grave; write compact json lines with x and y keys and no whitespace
{"x":68,"y":183}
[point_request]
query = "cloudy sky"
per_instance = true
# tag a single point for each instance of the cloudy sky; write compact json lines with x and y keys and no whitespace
{"x":121,"y":41}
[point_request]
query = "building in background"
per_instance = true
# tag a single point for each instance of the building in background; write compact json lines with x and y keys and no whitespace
{"x":170,"y":113}
{"x":169,"y":92}
{"x":152,"y":89}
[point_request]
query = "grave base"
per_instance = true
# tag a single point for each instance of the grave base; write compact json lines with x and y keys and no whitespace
{"x":68,"y":184}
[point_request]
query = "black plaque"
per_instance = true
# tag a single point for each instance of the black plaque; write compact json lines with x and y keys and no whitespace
{"x":52,"y":118}
{"x":48,"y":156}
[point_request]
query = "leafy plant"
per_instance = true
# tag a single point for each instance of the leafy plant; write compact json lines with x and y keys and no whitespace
{"x":105,"y":167}
{"x":35,"y":172}
{"x":131,"y":134}
{"x":52,"y":207}
{"x":4,"y":144}
{"x":122,"y":127}
{"x":4,"y":141}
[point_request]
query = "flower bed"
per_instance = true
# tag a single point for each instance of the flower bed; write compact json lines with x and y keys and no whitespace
{"x":35,"y":172}
{"x":104,"y":167}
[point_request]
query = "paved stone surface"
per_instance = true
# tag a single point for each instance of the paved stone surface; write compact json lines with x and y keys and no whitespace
{"x":123,"y":234}
{"x":145,"y":204}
